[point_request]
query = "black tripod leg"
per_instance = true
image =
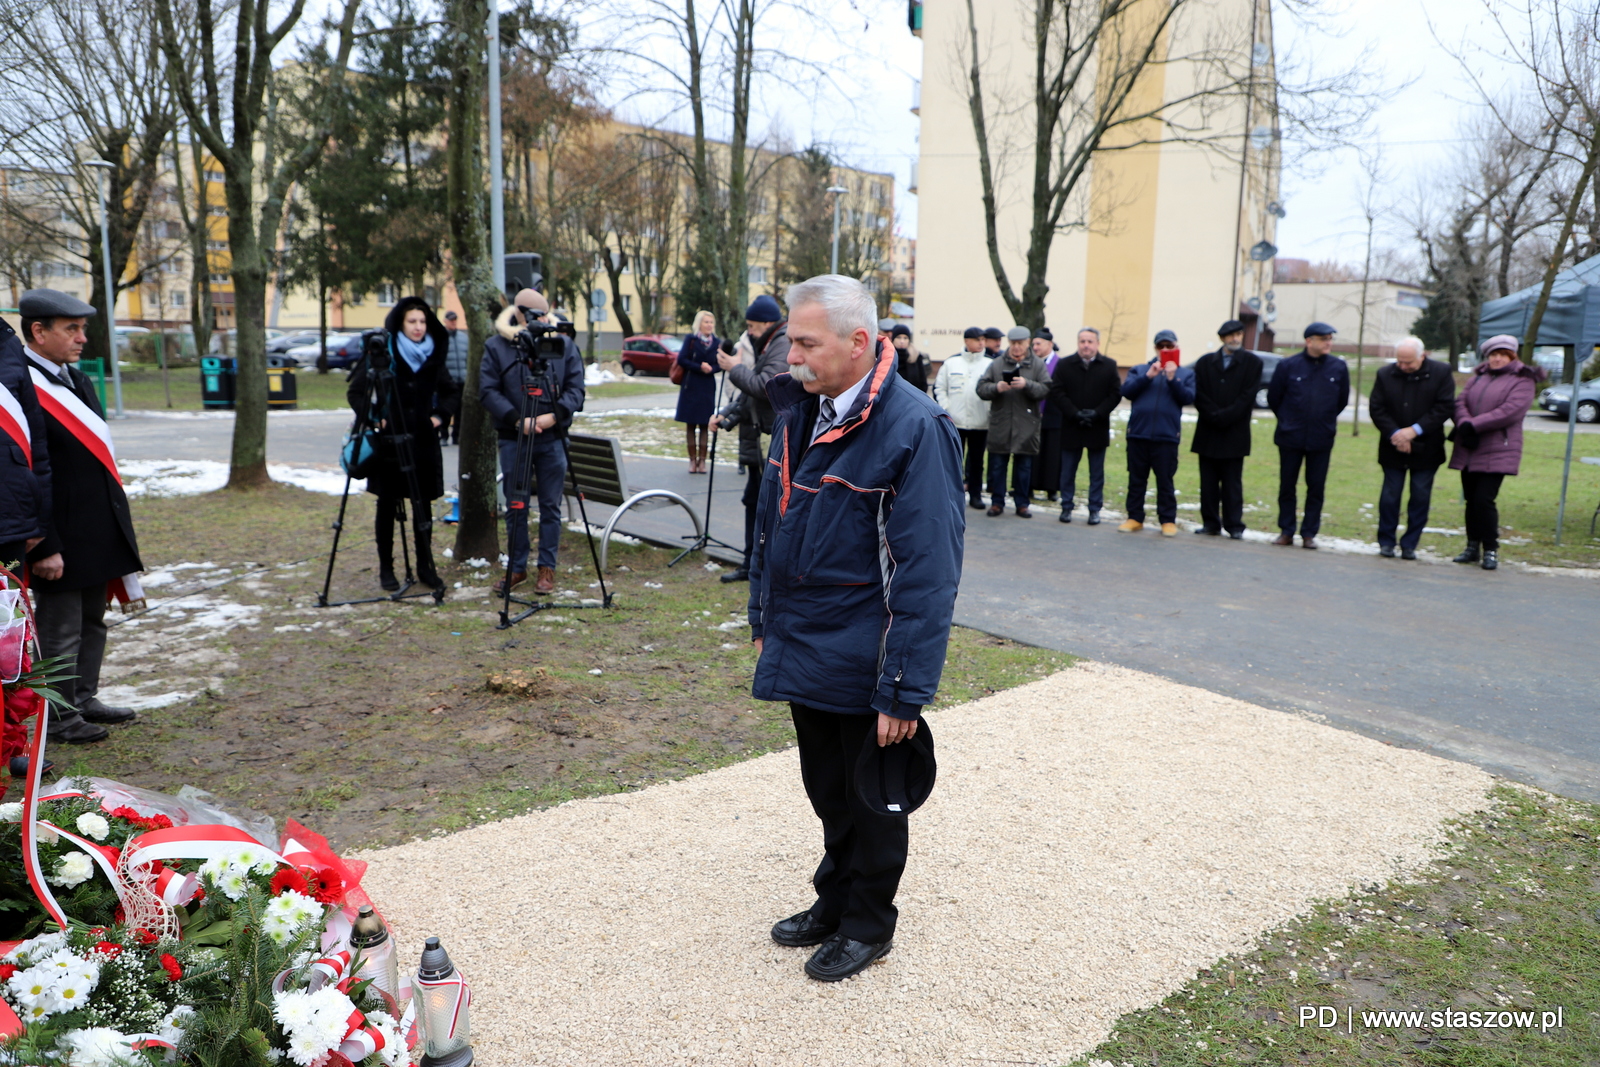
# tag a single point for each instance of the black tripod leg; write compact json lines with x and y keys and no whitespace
{"x":333,"y":553}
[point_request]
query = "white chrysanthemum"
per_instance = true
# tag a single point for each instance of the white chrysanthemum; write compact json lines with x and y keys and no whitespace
{"x":393,"y":1053}
{"x":37,"y":948}
{"x":170,"y":1028}
{"x":47,"y":836}
{"x":11,"y":812}
{"x":292,"y":1009}
{"x":234,"y":884}
{"x":71,"y":990}
{"x":71,"y":870}
{"x":265,"y":865}
{"x":92,"y":825}
{"x":303,"y":1048}
{"x":288,"y":913}
{"x":214,"y":868}
{"x":97,"y":1046}
{"x":30,"y":987}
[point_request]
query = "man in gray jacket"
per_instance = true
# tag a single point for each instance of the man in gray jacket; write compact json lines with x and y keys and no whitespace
{"x":750,"y":410}
{"x":1014,"y":384}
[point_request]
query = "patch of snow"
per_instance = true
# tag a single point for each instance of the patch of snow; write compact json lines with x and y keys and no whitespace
{"x":163,"y":477}
{"x":128,"y":696}
{"x":593,"y":375}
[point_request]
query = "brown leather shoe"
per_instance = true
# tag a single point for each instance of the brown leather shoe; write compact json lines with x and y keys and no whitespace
{"x":547,"y":580}
{"x":1308,"y":542}
{"x":1284,"y":539}
{"x":517,"y":578}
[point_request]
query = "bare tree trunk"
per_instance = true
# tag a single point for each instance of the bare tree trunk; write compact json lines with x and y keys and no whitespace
{"x":1553,"y":268}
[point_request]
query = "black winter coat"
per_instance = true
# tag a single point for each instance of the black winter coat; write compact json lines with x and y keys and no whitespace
{"x":1074,"y":387}
{"x":504,"y":382}
{"x":24,"y":493}
{"x":1224,"y":400}
{"x":420,"y":395}
{"x":90,"y":524}
{"x":750,"y":410}
{"x":1426,"y":397}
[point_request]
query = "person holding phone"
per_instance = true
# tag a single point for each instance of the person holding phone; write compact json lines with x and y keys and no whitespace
{"x":1158,"y":391}
{"x":1013,"y":385}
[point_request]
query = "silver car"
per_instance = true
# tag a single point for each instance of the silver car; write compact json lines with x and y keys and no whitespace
{"x":1558,"y":400}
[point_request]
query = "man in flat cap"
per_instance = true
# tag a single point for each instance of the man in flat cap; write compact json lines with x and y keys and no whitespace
{"x":1225,"y":385}
{"x":993,"y":340}
{"x":1307,"y":392}
{"x":1013,"y":385}
{"x":956,"y":390}
{"x":24,"y":456}
{"x":89,"y":553}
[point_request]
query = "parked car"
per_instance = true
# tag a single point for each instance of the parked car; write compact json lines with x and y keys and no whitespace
{"x":649,"y":353}
{"x":283,"y":342}
{"x":1269,"y":364}
{"x":307,"y":354}
{"x":1558,"y":400}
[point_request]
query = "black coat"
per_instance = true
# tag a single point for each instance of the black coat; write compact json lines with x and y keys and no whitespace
{"x":420,"y":394}
{"x":1425,"y":398}
{"x":1224,"y":400}
{"x":1074,"y":387}
{"x":90,"y":524}
{"x":24,"y":493}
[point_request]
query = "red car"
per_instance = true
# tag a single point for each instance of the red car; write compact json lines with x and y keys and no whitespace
{"x":649,"y":353}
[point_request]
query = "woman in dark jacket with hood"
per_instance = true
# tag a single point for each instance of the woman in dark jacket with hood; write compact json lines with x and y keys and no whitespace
{"x":1488,"y":440}
{"x":423,"y":393}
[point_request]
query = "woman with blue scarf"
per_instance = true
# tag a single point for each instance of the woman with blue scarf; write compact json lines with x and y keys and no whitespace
{"x":424,"y":393}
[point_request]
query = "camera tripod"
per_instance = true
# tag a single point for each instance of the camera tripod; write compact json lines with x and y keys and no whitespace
{"x":536,"y":383}
{"x":698,"y":542}
{"x":382,"y":396}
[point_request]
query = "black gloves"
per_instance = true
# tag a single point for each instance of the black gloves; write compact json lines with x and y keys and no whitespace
{"x":1086,"y":418}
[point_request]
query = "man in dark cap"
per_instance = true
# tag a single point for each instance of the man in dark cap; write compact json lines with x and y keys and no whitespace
{"x":992,"y":337}
{"x":24,"y":455}
{"x":89,"y":553}
{"x":750,"y":410}
{"x":1307,"y":392}
{"x":956,"y":390}
{"x":1159,"y":390}
{"x":911,"y":364}
{"x":1225,"y":384}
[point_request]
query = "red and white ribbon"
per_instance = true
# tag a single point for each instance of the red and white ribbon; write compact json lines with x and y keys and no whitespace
{"x":463,"y":995}
{"x":14,"y":423}
{"x":77,"y":418}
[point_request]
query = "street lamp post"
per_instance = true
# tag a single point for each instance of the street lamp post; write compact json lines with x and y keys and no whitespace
{"x":111,"y":288}
{"x":837,"y":191}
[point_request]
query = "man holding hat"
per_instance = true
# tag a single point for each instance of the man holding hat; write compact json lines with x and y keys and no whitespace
{"x":852,"y":589}
{"x":956,"y":390}
{"x":750,"y":410}
{"x":1158,"y":392}
{"x":1013,"y":385}
{"x":1225,"y":385}
{"x":505,"y":385}
{"x":1307,"y":392}
{"x":89,"y":553}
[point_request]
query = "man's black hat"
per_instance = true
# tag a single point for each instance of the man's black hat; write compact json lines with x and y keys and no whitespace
{"x":972,"y":333}
{"x":900,"y":330}
{"x":53,"y":304}
{"x":1044,"y":331}
{"x":896,"y":779}
{"x":1231,"y":326}
{"x":1320,"y":329}
{"x":993,"y":333}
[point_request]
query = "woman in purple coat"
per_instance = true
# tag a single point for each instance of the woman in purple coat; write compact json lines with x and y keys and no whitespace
{"x":1488,"y":440}
{"x":697,"y":396}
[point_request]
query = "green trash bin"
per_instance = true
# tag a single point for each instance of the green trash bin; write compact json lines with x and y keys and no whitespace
{"x":218,"y":381}
{"x":282,"y":394}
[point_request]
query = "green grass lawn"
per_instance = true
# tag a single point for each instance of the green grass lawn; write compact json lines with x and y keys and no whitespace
{"x":143,"y":389}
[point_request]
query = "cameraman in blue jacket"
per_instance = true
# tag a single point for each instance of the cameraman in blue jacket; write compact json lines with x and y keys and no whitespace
{"x":1159,"y":390}
{"x":1307,"y":393}
{"x":852,"y":586}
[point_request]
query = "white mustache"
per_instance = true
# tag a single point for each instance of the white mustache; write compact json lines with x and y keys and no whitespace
{"x":802,"y":373}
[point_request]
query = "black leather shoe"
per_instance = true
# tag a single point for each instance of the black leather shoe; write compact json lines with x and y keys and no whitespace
{"x":1094,"y":518}
{"x":1237,"y":535}
{"x":1386,"y":551}
{"x":78,"y":733}
{"x":18,"y":766}
{"x":387,"y":581}
{"x":839,"y":958}
{"x":1491,"y":559}
{"x":980,"y":505}
{"x":1408,"y":553}
{"x":1066,"y":516}
{"x":1468,"y":554}
{"x":1201,"y":530}
{"x":738,"y":574}
{"x":94,"y":711}
{"x":431,"y":579}
{"x":798,"y":931}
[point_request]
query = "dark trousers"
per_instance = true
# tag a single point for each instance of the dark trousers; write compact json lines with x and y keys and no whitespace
{"x":1021,"y":478}
{"x":422,"y":535}
{"x":1047,"y":464}
{"x":863,"y":852}
{"x":751,"y":498}
{"x":1316,"y":464}
{"x":1147,"y":457}
{"x":974,"y":441}
{"x":1222,"y":494}
{"x":1070,"y":457}
{"x":449,"y":429}
{"x":1394,"y":484}
{"x":72,"y":623}
{"x":1483,"y":518}
{"x":549,"y":472}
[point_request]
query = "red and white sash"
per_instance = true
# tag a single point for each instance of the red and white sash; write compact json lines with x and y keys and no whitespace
{"x":89,"y":430}
{"x":14,"y":423}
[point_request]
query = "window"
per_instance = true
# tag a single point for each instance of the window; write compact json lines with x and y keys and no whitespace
{"x":178,"y":300}
{"x":355,"y":299}
{"x":214,"y":176}
{"x":627,"y":304}
{"x":220,"y":279}
{"x":216,"y":246}
{"x":216,"y":209}
{"x":758,"y":276}
{"x":758,"y":241}
{"x":387,"y":293}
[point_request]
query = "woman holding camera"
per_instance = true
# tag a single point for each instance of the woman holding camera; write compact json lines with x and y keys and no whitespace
{"x":697,"y":396}
{"x":411,"y":399}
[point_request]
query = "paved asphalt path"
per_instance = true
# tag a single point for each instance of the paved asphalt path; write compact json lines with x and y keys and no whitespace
{"x":1495,"y":669}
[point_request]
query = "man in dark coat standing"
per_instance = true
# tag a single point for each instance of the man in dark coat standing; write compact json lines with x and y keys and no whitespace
{"x":24,"y":455}
{"x":1412,"y":399}
{"x":1085,"y":389}
{"x":852,"y":589}
{"x":89,"y":547}
{"x":1047,"y":464}
{"x":1307,"y":392}
{"x":1225,"y":384}
{"x":750,"y":410}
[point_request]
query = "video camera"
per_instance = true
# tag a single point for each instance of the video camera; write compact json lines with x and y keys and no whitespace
{"x":540,"y":342}
{"x":375,"y":350}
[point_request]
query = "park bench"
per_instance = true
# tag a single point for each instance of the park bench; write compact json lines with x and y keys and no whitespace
{"x":600,"y":476}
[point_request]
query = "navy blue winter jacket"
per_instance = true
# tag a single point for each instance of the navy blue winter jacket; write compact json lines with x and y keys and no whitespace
{"x":504,"y":381}
{"x":858,"y":549}
{"x":1157,"y":413}
{"x":24,"y":493}
{"x":1307,"y":395}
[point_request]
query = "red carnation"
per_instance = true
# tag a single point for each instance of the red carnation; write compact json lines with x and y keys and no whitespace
{"x":144,"y":937}
{"x":158,"y":822}
{"x":289,"y":878}
{"x":7,"y":970}
{"x":170,"y":965}
{"x":108,"y":948}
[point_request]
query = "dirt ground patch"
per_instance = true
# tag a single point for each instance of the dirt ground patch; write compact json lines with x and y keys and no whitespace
{"x":381,"y":722}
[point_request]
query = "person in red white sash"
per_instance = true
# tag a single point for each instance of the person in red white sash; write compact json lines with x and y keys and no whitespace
{"x":89,"y":552}
{"x":24,"y":455}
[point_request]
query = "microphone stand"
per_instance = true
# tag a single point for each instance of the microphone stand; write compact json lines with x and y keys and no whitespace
{"x":698,"y":544}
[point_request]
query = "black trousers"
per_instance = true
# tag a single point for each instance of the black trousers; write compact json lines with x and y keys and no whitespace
{"x":1047,"y":464}
{"x":863,"y":853}
{"x":422,"y":535}
{"x":1316,"y":464}
{"x":1070,"y":458}
{"x":1222,"y":494}
{"x":1161,"y":458}
{"x":1394,"y":483}
{"x":750,"y":500}
{"x":1483,"y":518}
{"x":974,"y":441}
{"x":72,"y":623}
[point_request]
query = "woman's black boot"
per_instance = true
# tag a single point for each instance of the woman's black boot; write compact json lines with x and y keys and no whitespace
{"x":1469,"y":554}
{"x":1491,"y":559}
{"x":427,"y":574}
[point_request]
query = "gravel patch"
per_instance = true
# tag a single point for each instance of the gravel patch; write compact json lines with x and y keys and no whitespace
{"x":1095,"y":838}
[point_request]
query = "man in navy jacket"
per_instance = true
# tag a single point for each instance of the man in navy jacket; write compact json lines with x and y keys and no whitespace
{"x":1307,"y":392}
{"x":852,"y":588}
{"x":1158,"y":391}
{"x":24,"y":463}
